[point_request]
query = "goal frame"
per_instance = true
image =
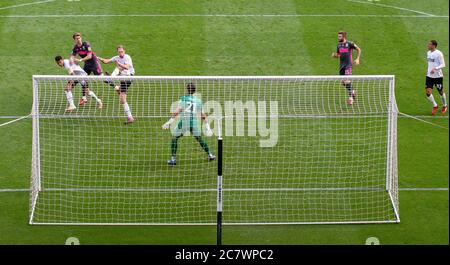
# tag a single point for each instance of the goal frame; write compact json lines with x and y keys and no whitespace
{"x":391,"y":165}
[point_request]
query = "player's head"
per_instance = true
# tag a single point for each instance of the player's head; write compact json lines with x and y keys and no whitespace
{"x":77,"y":38}
{"x":190,"y":88}
{"x":342,"y":36}
{"x":59,"y":60}
{"x":121,"y":50}
{"x":432,"y":44}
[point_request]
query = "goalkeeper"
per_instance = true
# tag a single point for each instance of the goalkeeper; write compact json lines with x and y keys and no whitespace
{"x":190,"y":110}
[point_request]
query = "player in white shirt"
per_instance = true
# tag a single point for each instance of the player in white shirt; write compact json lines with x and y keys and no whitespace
{"x":124,"y":67}
{"x":74,"y":69}
{"x":435,"y":77}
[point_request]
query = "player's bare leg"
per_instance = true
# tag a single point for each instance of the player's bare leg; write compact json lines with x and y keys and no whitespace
{"x":83,"y":99}
{"x":429,"y":94}
{"x":117,"y":89}
{"x":126,"y":108}
{"x":68,"y":92}
{"x":350,"y":91}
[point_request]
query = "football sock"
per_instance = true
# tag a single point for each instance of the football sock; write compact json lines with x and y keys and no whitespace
{"x":69,"y":97}
{"x":431,"y":99}
{"x":202,"y":143}
{"x":127,"y":110}
{"x":92,"y":94}
{"x":173,"y":146}
{"x":444,"y":100}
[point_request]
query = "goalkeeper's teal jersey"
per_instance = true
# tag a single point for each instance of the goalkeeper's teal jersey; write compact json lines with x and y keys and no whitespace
{"x":192,"y":108}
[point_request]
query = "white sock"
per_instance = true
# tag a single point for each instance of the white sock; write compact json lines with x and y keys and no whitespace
{"x":92,"y":94}
{"x":444,"y":100}
{"x":84,"y":97}
{"x":69,"y":97}
{"x":127,"y":110}
{"x":431,"y":99}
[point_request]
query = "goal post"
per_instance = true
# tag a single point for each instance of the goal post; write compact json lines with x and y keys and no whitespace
{"x":289,"y":150}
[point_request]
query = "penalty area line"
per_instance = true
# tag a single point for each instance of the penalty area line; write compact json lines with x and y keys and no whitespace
{"x":392,"y":7}
{"x":15,"y":120}
{"x":422,"y":120}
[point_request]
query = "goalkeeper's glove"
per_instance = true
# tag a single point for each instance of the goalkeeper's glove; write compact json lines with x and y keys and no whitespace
{"x":209,"y":132}
{"x":167,"y":124}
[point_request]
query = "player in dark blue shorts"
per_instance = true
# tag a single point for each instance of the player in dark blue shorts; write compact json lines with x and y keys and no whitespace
{"x":91,"y":63}
{"x":345,"y":53}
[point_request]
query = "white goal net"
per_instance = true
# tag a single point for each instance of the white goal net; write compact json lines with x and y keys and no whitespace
{"x":294,"y":151}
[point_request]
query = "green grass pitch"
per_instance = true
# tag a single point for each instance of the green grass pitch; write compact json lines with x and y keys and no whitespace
{"x":393,"y":42}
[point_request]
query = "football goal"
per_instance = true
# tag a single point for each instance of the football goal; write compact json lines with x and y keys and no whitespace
{"x":283,"y":150}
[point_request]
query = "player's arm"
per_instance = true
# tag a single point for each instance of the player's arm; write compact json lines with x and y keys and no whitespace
{"x":70,"y":72}
{"x":72,"y":56}
{"x":209,"y":132}
{"x":87,"y":57}
{"x":172,"y":118}
{"x":358,"y":53}
{"x":89,"y":54}
{"x":204,"y":118}
{"x":441,"y":64}
{"x":335,"y":54}
{"x":126,"y":65}
{"x":123,"y":66}
{"x":68,"y":68}
{"x":105,"y":60}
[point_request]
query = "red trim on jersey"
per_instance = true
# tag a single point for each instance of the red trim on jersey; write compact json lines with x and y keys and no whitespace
{"x":99,"y":66}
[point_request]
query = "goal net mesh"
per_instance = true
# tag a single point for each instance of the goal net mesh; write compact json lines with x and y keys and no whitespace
{"x":294,"y":152}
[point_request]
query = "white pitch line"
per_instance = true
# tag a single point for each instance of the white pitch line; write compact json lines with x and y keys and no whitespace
{"x":10,"y":117}
{"x":423,"y":189}
{"x":27,"y":4}
{"x":425,"y":117}
{"x":15,"y":190}
{"x":219,"y":15}
{"x":422,"y":120}
{"x":18,"y":119}
{"x":392,"y":7}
